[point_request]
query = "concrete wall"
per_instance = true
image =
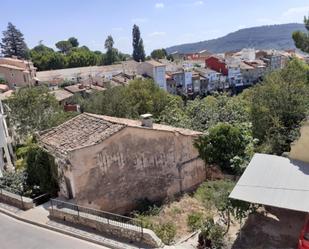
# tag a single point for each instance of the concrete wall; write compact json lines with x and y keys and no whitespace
{"x":134,"y":164}
{"x":300,"y":148}
{"x":16,"y":200}
{"x":126,"y":231}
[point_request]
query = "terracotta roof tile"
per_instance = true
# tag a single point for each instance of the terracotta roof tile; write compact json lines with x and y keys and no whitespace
{"x":81,"y":131}
{"x":88,"y":129}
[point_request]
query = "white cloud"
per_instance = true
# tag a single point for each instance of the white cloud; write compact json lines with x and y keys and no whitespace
{"x":290,"y":15}
{"x":159,"y":5}
{"x":199,"y":3}
{"x":296,"y":12}
{"x":157,"y":33}
{"x":139,"y":20}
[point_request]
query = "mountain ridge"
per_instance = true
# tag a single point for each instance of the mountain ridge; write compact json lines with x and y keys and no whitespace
{"x":278,"y":36}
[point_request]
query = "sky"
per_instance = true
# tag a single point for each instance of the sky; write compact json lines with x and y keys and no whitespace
{"x":162,"y":23}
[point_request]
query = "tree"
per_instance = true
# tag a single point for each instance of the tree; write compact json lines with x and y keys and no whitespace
{"x":138,"y":46}
{"x":278,"y":106}
{"x":158,"y":54}
{"x":13,"y":43}
{"x":41,"y":171}
{"x":74,"y":42}
{"x":45,"y":58}
{"x":34,"y":109}
{"x":64,"y":46}
{"x":301,"y":39}
{"x":139,"y":97}
{"x":81,"y":57}
{"x":110,"y":56}
{"x":207,"y":112}
{"x":222,"y":143}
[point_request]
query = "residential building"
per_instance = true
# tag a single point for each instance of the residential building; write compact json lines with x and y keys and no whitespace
{"x":111,"y":163}
{"x":17,"y":73}
{"x":171,"y":85}
{"x":215,"y":80}
{"x":234,"y":76}
{"x":155,"y":70}
{"x":62,"y":96}
{"x":248,"y":72}
{"x":201,"y":55}
{"x":217,"y":63}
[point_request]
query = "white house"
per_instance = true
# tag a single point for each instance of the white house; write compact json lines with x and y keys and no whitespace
{"x":155,"y":70}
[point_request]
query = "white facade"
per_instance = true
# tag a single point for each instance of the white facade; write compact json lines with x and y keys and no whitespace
{"x":155,"y":70}
{"x":248,"y":54}
{"x":234,"y":75}
{"x":159,"y":76}
{"x":188,"y":79}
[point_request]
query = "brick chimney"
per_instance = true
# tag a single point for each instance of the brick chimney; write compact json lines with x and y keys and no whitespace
{"x":146,"y":120}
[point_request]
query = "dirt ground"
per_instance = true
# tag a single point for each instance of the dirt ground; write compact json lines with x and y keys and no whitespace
{"x":177,"y":212}
{"x":275,"y":229}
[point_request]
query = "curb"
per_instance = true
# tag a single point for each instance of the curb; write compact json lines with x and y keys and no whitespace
{"x":17,"y":217}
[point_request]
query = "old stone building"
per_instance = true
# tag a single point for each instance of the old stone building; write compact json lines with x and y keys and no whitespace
{"x":111,"y":163}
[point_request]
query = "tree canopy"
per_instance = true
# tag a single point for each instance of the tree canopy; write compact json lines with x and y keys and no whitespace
{"x":278,"y":106}
{"x":138,"y":46}
{"x":64,"y":46}
{"x":74,"y":42}
{"x":139,"y":97}
{"x":34,"y":109}
{"x":301,"y":39}
{"x":13,"y":43}
{"x":158,"y":54}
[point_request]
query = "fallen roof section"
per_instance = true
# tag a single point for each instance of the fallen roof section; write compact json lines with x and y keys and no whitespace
{"x":275,"y":181}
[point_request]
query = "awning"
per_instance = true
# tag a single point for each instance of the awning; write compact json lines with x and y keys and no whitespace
{"x":275,"y":181}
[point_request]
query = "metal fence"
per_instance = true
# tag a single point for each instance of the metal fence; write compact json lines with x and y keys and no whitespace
{"x":12,"y":192}
{"x":101,"y":216}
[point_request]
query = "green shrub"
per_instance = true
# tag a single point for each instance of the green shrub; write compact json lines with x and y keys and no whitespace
{"x":195,"y":220}
{"x":166,"y":232}
{"x":223,"y":142}
{"x":211,"y":236}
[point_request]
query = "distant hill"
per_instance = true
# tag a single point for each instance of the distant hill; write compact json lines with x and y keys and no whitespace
{"x":263,"y":37}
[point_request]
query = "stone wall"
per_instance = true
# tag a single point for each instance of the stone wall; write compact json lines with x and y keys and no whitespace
{"x":117,"y":229}
{"x":16,"y":200}
{"x":134,"y":164}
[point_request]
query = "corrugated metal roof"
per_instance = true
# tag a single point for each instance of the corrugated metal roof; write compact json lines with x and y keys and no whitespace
{"x":275,"y":181}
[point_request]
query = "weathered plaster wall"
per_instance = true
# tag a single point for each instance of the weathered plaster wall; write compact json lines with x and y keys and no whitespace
{"x":134,"y":164}
{"x":300,"y":148}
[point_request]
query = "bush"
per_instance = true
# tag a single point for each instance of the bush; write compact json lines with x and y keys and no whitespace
{"x":42,"y":171}
{"x":195,"y":220}
{"x":211,"y":236}
{"x":166,"y":232}
{"x":14,"y":181}
{"x":221,"y":144}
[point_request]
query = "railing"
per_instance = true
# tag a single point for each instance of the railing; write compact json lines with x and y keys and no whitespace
{"x":101,"y":216}
{"x":13,"y":192}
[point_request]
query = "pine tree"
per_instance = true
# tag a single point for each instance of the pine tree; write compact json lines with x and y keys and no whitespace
{"x":13,"y":43}
{"x":301,"y":39}
{"x":138,"y":46}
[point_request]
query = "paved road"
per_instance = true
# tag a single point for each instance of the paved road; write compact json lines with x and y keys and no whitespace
{"x":19,"y":235}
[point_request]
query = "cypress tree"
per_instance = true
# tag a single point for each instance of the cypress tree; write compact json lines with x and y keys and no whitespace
{"x":13,"y":43}
{"x":138,"y":46}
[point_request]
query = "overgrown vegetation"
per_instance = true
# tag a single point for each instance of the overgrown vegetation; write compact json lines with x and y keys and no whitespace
{"x":34,"y":109}
{"x":35,"y":174}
